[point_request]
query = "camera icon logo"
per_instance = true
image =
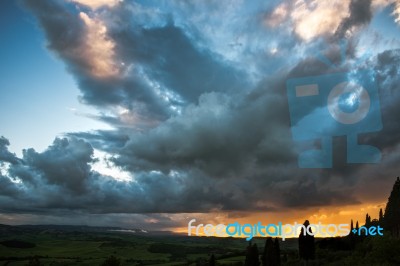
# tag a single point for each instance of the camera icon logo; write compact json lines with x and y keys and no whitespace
{"x":339,"y":104}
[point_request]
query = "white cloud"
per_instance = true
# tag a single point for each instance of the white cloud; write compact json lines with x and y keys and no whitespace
{"x":104,"y":166}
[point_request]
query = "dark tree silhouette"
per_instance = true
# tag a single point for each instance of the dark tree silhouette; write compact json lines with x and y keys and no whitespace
{"x":212,"y":260}
{"x":268,"y":254}
{"x":306,"y":243}
{"x":351,"y":227}
{"x":380,"y":215}
{"x":34,"y":261}
{"x":272,"y":253}
{"x":392,"y":211}
{"x":285,"y":257}
{"x":367,"y":221}
{"x":252,"y":255}
{"x":277,"y":250}
{"x":357,"y":227}
{"x":111,"y":261}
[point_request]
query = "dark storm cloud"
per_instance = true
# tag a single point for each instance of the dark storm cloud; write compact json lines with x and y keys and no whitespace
{"x":240,"y":144}
{"x":7,"y":187}
{"x":360,"y":14}
{"x":64,"y":163}
{"x":306,"y":192}
{"x":107,"y":140}
{"x":61,"y":179}
{"x":388,"y":73}
{"x":5,"y":155}
{"x":222,"y":135}
{"x":228,"y":147}
{"x":169,"y":56}
{"x":225,"y":153}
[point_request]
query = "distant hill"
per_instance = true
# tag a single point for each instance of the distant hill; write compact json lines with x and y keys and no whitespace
{"x":17,"y":244}
{"x":53,"y":228}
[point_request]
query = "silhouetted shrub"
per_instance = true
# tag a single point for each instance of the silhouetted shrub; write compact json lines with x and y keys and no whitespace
{"x":111,"y":261}
{"x":34,"y":262}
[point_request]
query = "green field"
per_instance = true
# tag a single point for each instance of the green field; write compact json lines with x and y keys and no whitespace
{"x":41,"y":246}
{"x":83,"y":248}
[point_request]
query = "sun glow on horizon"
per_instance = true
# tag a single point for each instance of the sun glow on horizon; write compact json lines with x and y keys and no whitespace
{"x":323,"y":216}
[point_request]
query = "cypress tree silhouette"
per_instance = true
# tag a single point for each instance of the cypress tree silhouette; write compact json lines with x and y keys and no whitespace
{"x":351,"y":227}
{"x":392,"y":211}
{"x":352,"y":235}
{"x":272,"y":253}
{"x":252,"y":255}
{"x":380,"y":215}
{"x":212,"y":260}
{"x":268,"y":254}
{"x":306,"y":243}
{"x":277,"y":252}
{"x":367,"y":221}
{"x":357,"y":226}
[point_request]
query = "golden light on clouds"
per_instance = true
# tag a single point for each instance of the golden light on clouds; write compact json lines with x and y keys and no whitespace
{"x":278,"y":16}
{"x":329,"y":215}
{"x":310,"y":19}
{"x":98,"y":48}
{"x":396,"y":12}
{"x":378,"y":4}
{"x":94,"y":4}
{"x":315,"y":18}
{"x":127,"y":116}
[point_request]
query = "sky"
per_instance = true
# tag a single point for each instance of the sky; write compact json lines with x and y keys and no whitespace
{"x":146,"y":114}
